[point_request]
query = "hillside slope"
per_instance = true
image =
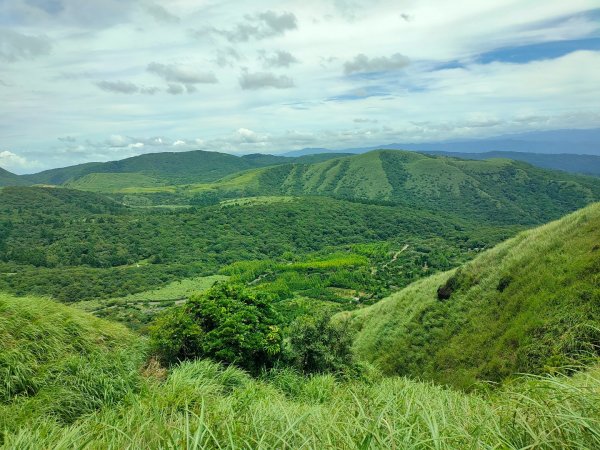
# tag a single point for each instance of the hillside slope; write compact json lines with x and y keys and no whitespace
{"x":157,"y":169}
{"x":71,"y":381}
{"x":172,"y":168}
{"x":10,"y":179}
{"x":498,"y":190}
{"x":530,"y":305}
{"x":58,"y":362}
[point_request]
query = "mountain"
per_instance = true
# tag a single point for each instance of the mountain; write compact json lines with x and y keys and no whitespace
{"x":500,"y":190}
{"x":154,"y":169}
{"x":10,"y":179}
{"x":529,"y":305}
{"x":161,"y":168}
{"x":583,"y":164}
{"x":574,"y":142}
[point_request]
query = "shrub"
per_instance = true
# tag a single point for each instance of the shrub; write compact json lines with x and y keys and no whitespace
{"x":227,"y":323}
{"x":316,"y":345}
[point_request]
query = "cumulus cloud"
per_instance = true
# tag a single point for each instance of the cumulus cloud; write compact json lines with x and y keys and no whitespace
{"x":118,"y":87}
{"x":181,"y":74}
{"x":260,"y":80}
{"x":259,"y":26}
{"x":12,"y":161}
{"x":160,"y":14}
{"x":279,"y":58}
{"x":363,"y":64}
{"x":15,"y":46}
{"x":175,"y":89}
{"x":227,"y":57}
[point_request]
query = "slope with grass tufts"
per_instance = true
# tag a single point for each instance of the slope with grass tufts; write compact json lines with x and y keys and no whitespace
{"x":60,"y":363}
{"x":529,"y":305}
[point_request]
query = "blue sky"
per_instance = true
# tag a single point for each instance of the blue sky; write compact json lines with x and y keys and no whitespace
{"x":107,"y":79}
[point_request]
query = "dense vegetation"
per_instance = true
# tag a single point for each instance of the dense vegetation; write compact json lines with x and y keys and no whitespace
{"x":50,"y":238}
{"x":201,"y":404}
{"x":530,"y":305}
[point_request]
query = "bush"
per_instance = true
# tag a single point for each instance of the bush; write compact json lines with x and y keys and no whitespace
{"x":318,"y":346}
{"x":227,"y":323}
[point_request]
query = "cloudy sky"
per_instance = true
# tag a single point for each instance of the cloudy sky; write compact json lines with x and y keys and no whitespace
{"x":98,"y":80}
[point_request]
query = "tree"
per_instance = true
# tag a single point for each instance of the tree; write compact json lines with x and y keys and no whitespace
{"x":227,"y":323}
{"x":316,"y":346}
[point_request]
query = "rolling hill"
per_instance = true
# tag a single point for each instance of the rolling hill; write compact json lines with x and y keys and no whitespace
{"x":529,"y":305}
{"x":499,"y":189}
{"x":153,"y":169}
{"x":10,"y":179}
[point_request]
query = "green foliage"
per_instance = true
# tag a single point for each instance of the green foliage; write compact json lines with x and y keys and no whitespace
{"x":530,"y":305}
{"x":59,"y":363}
{"x":318,"y":346}
{"x":202,"y":405}
{"x":79,"y":246}
{"x":226,"y":323}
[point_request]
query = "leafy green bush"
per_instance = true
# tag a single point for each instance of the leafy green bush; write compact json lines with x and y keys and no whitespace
{"x":227,"y":323}
{"x":316,"y":345}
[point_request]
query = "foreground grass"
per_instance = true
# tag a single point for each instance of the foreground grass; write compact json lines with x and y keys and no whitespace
{"x":203,"y":405}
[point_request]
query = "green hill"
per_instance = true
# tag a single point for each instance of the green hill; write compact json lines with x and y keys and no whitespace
{"x":529,"y":305}
{"x":164,"y":168}
{"x":497,"y":189}
{"x":10,"y":179}
{"x":158,"y":169}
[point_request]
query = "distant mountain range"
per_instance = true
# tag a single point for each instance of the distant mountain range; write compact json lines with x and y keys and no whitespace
{"x":584,"y":142}
{"x":575,"y":151}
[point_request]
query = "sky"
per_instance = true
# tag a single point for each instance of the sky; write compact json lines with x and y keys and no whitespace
{"x":100,"y":80}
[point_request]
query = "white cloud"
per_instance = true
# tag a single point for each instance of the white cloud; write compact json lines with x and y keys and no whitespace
{"x":311,"y":73}
{"x":362,"y":63}
{"x":261,"y":80}
{"x":13,"y":162}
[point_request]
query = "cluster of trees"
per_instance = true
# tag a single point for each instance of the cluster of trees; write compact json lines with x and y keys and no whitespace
{"x":234,"y":325}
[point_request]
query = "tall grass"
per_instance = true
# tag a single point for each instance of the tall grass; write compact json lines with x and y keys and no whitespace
{"x":204,"y":405}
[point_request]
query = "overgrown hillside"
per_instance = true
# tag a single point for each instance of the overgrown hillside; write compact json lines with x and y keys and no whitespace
{"x":72,"y":381}
{"x":60,"y":363}
{"x":154,"y":169}
{"x":530,"y":305}
{"x":76,"y":245}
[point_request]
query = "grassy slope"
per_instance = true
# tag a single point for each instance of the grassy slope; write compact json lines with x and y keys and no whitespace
{"x":61,"y":363}
{"x":153,"y":170}
{"x":203,"y":406}
{"x":112,"y":182}
{"x":72,"y":381}
{"x":528,"y":305}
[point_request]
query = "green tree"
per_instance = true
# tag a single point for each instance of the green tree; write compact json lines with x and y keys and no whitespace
{"x":227,"y":323}
{"x":316,"y":345}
